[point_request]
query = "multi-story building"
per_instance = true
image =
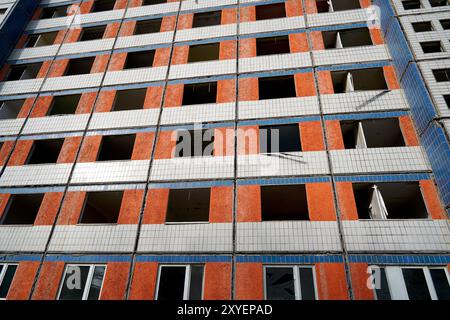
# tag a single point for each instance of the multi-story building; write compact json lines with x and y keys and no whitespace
{"x":98,"y":96}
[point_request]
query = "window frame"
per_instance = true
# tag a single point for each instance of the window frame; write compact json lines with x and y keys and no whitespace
{"x":3,"y":272}
{"x":187,"y":279}
{"x":296,"y":273}
{"x":89,"y":278}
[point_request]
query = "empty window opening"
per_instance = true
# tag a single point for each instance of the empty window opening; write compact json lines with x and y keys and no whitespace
{"x":118,"y":147}
{"x":10,"y":109}
{"x":447,"y":100}
{"x":272,"y":45}
{"x":103,"y":5}
{"x":40,"y":40}
{"x":90,"y":282}
{"x":66,"y":104}
{"x":101,"y":207}
{"x":199,"y":93}
{"x":79,"y":66}
{"x":442,"y":75}
{"x":150,"y":2}
{"x":3,"y":11}
{"x":270,"y":11}
{"x":139,"y":59}
{"x":289,"y":283}
{"x":336,"y":5}
{"x":347,"y":38}
{"x":24,"y":71}
{"x":188,"y":205}
{"x":92,"y":33}
{"x":22,"y":209}
{"x":281,"y":138}
{"x":45,"y":151}
{"x":276,"y":87}
{"x":439,"y":3}
{"x":176,"y":283}
{"x":287,"y":202}
{"x":7,"y":272}
{"x":422,"y":26}
{"x":358,"y":80}
{"x":147,"y":26}
{"x":129,"y":99}
{"x":397,"y":200}
{"x":206,"y":19}
{"x":411,"y":4}
{"x":53,"y":12}
{"x":445,"y":24}
{"x":195,"y":143}
{"x":204,"y":52}
{"x":431,"y":47}
{"x":376,"y":133}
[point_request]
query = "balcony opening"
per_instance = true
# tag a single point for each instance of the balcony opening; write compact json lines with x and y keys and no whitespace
{"x":347,"y":38}
{"x":439,"y":3}
{"x":92,"y":33}
{"x":199,"y":93}
{"x":118,"y":147}
{"x":424,"y":26}
{"x":10,"y":109}
{"x":66,"y":104}
{"x":45,"y":151}
{"x":41,"y":39}
{"x":272,"y":45}
{"x":194,"y":143}
{"x":376,"y":133}
{"x":177,"y":283}
{"x":276,"y":87}
{"x":147,"y":26}
{"x":53,"y":12}
{"x":270,"y":11}
{"x":445,"y":24}
{"x":80,"y":66}
{"x":206,"y":19}
{"x":279,"y":139}
{"x":397,"y":200}
{"x":287,"y":202}
{"x":358,"y":80}
{"x":411,"y":4}
{"x":150,"y":2}
{"x":139,"y":59}
{"x":336,"y":5}
{"x":431,"y":46}
{"x":204,"y":52}
{"x":24,"y":71}
{"x":22,"y":209}
{"x":442,"y":75}
{"x":129,"y":99}
{"x":101,"y":207}
{"x":188,"y":205}
{"x":103,"y":5}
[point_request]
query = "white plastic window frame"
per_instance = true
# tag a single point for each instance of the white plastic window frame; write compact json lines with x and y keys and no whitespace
{"x":187,"y":278}
{"x":3,"y":272}
{"x":87,"y":287}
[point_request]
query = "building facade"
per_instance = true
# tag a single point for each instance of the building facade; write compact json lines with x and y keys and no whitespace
{"x":98,"y":96}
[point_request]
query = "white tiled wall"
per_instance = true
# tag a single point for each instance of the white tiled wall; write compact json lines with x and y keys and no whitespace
{"x":23,"y":238}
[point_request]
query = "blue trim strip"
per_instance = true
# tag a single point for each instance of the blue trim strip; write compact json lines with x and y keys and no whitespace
{"x":182,"y":259}
{"x":20,"y":257}
{"x":352,"y":66}
{"x":369,"y":115}
{"x":401,"y":259}
{"x":263,"y":122}
{"x":384,"y":178}
{"x":88,"y":258}
{"x":191,"y":184}
{"x":306,"y":259}
{"x":283,"y":181}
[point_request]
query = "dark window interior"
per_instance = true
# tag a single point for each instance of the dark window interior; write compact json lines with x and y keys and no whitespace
{"x":411,"y":4}
{"x":363,"y":79}
{"x":287,"y":202}
{"x":24,"y":71}
{"x":64,"y":104}
{"x":276,"y":87}
{"x":403,"y":200}
{"x":2,"y":12}
{"x":206,"y":19}
{"x":383,"y":292}
{"x":416,"y":285}
{"x":188,"y":205}
{"x":204,"y":52}
{"x":7,"y":279}
{"x":270,"y":11}
{"x":349,"y":38}
{"x":79,"y":66}
{"x":149,"y":2}
{"x":195,"y":143}
{"x":148,"y":26}
{"x":288,"y":138}
{"x":431,"y":46}
{"x":102,"y":207}
{"x":41,"y":39}
{"x":129,"y":99}
{"x":22,"y":208}
{"x":442,"y":75}
{"x":272,"y":45}
{"x":199,"y":93}
{"x":92,"y":33}
{"x":280,"y":283}
{"x":447,"y":100}
{"x":440,"y":283}
{"x":117,"y":147}
{"x":103,"y":5}
{"x":338,"y":5}
{"x":438,"y":3}
{"x":171,"y":283}
{"x":378,"y":133}
{"x":445,"y":24}
{"x":422,"y":26}
{"x":10,"y":109}
{"x":45,"y":151}
{"x":53,"y":12}
{"x":139,"y":59}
